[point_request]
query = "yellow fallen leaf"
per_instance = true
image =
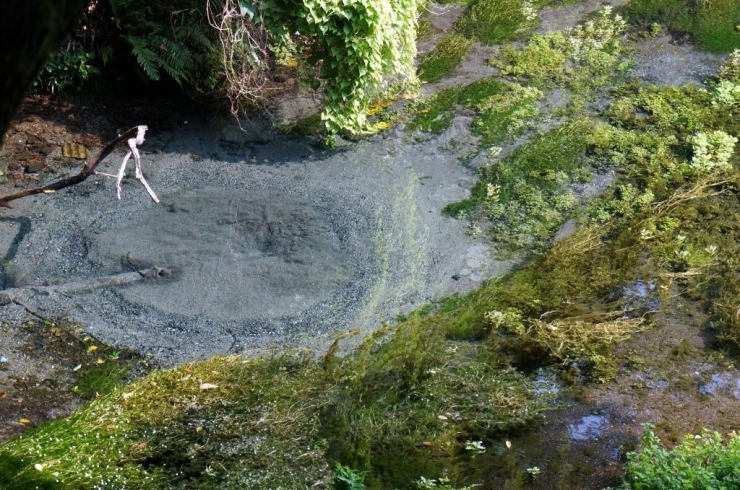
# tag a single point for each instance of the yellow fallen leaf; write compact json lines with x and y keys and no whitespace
{"x":208,"y":386}
{"x":92,"y":348}
{"x":441,"y":417}
{"x":24,"y":421}
{"x":100,"y":361}
{"x":38,"y":466}
{"x":49,"y":191}
{"x":126,"y":396}
{"x":87,"y":339}
{"x":508,"y":444}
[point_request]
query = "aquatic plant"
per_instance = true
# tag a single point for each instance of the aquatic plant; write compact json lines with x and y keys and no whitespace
{"x":579,"y":58}
{"x":525,"y":197}
{"x":712,"y":150}
{"x":699,"y":461}
{"x":713,"y":24}
{"x":496,"y":21}
{"x":444,"y":58}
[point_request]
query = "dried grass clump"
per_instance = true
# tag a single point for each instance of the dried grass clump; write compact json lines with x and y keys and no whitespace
{"x":569,"y":339}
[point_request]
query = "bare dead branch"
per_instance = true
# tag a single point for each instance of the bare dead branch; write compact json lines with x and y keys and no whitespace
{"x":87,"y":171}
{"x":19,"y":295}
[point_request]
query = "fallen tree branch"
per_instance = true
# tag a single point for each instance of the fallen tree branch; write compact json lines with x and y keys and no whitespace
{"x":89,"y":169}
{"x":18,"y":295}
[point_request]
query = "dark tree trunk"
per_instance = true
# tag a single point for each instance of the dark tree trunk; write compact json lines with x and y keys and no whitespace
{"x":29,"y":31}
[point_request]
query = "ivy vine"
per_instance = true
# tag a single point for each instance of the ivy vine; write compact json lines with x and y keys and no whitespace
{"x":354,"y":43}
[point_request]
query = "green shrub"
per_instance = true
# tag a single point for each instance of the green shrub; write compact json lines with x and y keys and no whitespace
{"x":712,"y":150}
{"x":346,"y":478}
{"x":65,"y":70}
{"x":699,"y":462}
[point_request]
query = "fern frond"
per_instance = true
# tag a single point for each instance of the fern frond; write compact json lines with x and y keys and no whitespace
{"x":147,"y":59}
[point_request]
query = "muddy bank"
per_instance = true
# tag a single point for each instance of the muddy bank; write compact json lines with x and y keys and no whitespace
{"x":260,"y":239}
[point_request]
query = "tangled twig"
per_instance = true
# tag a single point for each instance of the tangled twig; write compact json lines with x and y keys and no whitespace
{"x":244,"y":52}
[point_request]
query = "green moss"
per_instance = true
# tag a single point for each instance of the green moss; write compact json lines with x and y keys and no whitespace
{"x":435,"y":114}
{"x":497,"y":21}
{"x":502,"y":110}
{"x":472,"y":95}
{"x":277,"y":421}
{"x":444,"y":58}
{"x":713,"y":24}
{"x":99,"y":379}
{"x":499,"y":107}
{"x":674,"y":13}
{"x":423,"y":29}
{"x":308,"y":126}
{"x":9,"y":468}
{"x":413,"y":368}
{"x":505,"y":114}
{"x":525,"y":197}
{"x":464,"y":208}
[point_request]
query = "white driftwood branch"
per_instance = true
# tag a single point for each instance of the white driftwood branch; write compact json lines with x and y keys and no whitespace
{"x":132,"y":143}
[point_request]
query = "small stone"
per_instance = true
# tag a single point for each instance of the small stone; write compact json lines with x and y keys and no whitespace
{"x":3,"y":359}
{"x":35,"y":166}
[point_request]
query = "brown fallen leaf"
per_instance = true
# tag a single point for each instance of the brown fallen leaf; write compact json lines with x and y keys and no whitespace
{"x":75,"y":150}
{"x":137,"y":446}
